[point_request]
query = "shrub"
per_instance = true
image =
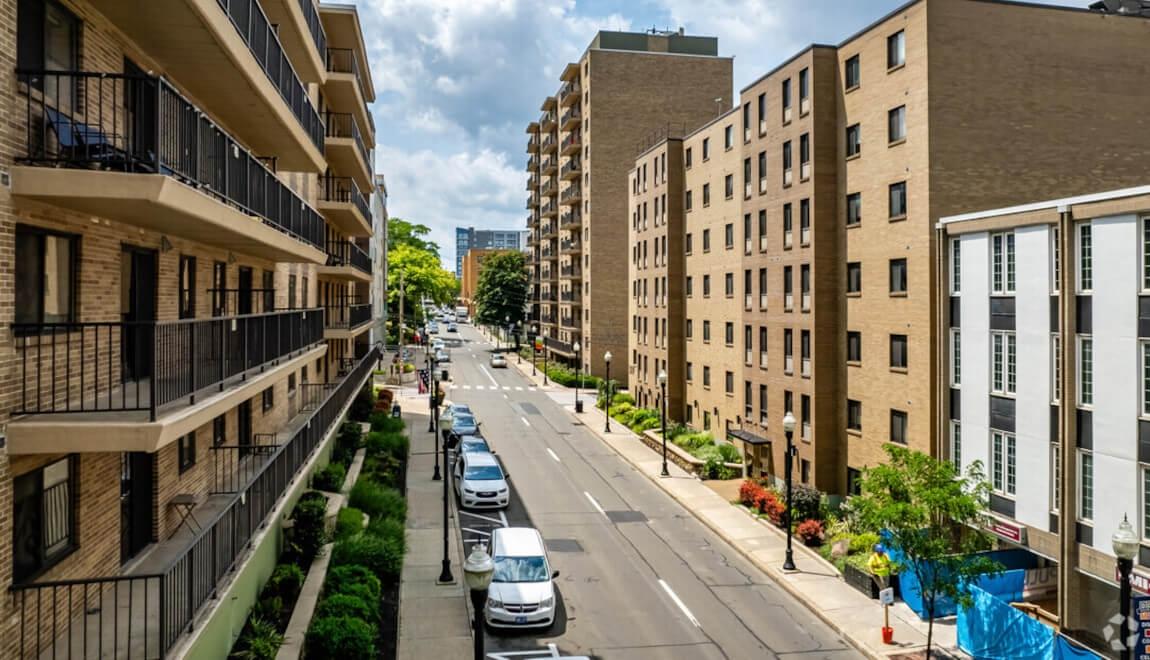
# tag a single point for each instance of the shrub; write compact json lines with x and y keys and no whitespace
{"x":341,"y":637}
{"x":805,"y":501}
{"x":862,"y":543}
{"x":308,"y":533}
{"x":730,"y":454}
{"x":695,"y":441}
{"x":645,"y":424}
{"x":378,"y":501}
{"x":330,"y":478}
{"x":361,"y":407}
{"x":810,"y":531}
{"x":387,"y":443}
{"x":351,"y":433}
{"x":382,"y":469}
{"x":352,"y":578}
{"x":383,"y":421}
{"x":384,"y":557}
{"x":285,"y":581}
{"x":408,"y":368}
{"x":259,"y":641}
{"x":748,"y":492}
{"x":621,"y":408}
{"x":349,"y":605}
{"x":387,"y":529}
{"x":770,"y":505}
{"x":348,"y":523}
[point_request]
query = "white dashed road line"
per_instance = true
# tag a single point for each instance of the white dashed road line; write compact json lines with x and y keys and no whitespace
{"x":489,"y":376}
{"x":553,"y":455}
{"x":525,"y":422}
{"x":594,"y":503}
{"x":674,"y":597}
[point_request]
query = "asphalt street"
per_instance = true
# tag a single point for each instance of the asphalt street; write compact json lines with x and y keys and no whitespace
{"x":640,"y":578}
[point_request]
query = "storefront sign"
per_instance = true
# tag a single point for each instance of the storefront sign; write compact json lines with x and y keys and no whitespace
{"x":1138,"y":581}
{"x":1040,"y":584}
{"x":1141,"y":626}
{"x":1009,"y":531}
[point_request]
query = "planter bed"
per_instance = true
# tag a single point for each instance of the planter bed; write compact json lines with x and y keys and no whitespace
{"x":680,"y":457}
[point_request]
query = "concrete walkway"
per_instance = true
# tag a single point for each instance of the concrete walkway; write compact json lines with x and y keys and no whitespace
{"x":816,"y":583}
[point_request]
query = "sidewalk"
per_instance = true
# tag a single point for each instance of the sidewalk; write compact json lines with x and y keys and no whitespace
{"x":816,"y":583}
{"x":434,"y":620}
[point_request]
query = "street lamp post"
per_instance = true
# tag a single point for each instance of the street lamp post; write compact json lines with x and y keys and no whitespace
{"x":607,"y":408}
{"x":545,"y":364}
{"x":662,"y":378}
{"x":445,"y":576}
{"x":478,"y":569}
{"x":507,"y":330}
{"x":578,"y":377}
{"x":789,"y":430}
{"x":432,"y":410}
{"x":534,"y":347}
{"x":518,"y":347}
{"x":1125,"y":543}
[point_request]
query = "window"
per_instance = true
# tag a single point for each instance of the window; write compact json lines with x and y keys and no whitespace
{"x":805,"y":353}
{"x":854,"y":140}
{"x":219,"y":431}
{"x":687,"y":244}
{"x":854,"y":415}
{"x":46,"y":276}
{"x":729,"y":333}
{"x":898,"y":352}
{"x":804,"y":156}
{"x":291,"y":385}
{"x":690,"y":330}
{"x":1056,"y":368}
{"x":897,"y":196}
{"x":762,"y":113}
{"x":955,"y":266}
{"x":1145,"y":254}
{"x":788,"y":401}
{"x":747,"y":178}
{"x":896,"y":49}
{"x":268,"y":398}
{"x":788,"y":289}
{"x":787,"y":163}
{"x":762,"y":230}
{"x":43,"y":524}
{"x":786,"y":100}
{"x":187,"y":293}
{"x":1055,"y":477}
{"x":1003,"y":363}
{"x":687,"y":158}
{"x":729,"y":236}
{"x":746,"y":122}
{"x":291,"y":292}
{"x":955,"y":357}
{"x":729,"y":382}
{"x":851,"y":77}
{"x":728,"y":136}
{"x":762,"y":172}
{"x":187,"y":451}
{"x":805,"y":417}
{"x":788,"y":223}
{"x":1002,"y":264}
{"x":896,"y":124}
{"x":706,"y":286}
{"x":805,"y":287}
{"x":48,"y":38}
{"x":1002,"y":463}
{"x":854,"y":277}
{"x":748,"y":345}
{"x":854,"y":346}
{"x":1085,"y":371}
{"x":706,"y":330}
{"x":706,"y":194}
{"x":706,"y":240}
{"x":804,"y":90}
{"x":762,"y":288}
{"x":1055,"y":260}
{"x":729,"y":186}
{"x":748,"y":400}
{"x":706,"y":149}
{"x":1085,"y":485}
{"x":1144,"y":347}
{"x":898,"y":428}
{"x":687,"y":201}
{"x":748,"y":289}
{"x":854,"y":209}
{"x":690,"y":373}
{"x":804,"y":221}
{"x":898,"y":276}
{"x":854,"y":481}
{"x":788,"y":351}
{"x":762,"y":347}
{"x":688,"y":285}
{"x":746,"y":233}
{"x":956,"y":444}
{"x":706,"y":376}
{"x":763,"y":411}
{"x":1085,"y":259}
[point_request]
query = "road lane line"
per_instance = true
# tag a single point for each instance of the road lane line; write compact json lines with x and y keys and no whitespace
{"x":518,"y":388}
{"x":678,"y":602}
{"x":489,"y":376}
{"x":525,"y":422}
{"x":506,"y":388}
{"x":503,"y":517}
{"x":594,"y":503}
{"x":466,"y":387}
{"x":532,"y":388}
{"x":554,"y":455}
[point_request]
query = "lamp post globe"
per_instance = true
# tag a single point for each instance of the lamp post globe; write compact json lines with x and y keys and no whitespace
{"x":662,"y":380}
{"x":607,"y":408}
{"x":789,"y":430}
{"x":478,"y":569}
{"x":1126,"y":544}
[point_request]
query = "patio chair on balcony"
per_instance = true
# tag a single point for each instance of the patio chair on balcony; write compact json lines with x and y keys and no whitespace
{"x":82,"y":142}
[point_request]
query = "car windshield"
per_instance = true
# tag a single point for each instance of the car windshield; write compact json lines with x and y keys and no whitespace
{"x":462,"y":419}
{"x":482,"y":473}
{"x":520,"y":569}
{"x":474,"y":445}
{"x":459,"y":409}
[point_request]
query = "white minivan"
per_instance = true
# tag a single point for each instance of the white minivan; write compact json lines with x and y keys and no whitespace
{"x":522,"y":594}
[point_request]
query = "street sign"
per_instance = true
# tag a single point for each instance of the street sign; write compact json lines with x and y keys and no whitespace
{"x":886,"y":596}
{"x":1141,"y":625}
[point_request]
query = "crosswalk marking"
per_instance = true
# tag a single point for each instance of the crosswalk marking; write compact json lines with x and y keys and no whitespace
{"x":518,"y":388}
{"x":506,"y":388}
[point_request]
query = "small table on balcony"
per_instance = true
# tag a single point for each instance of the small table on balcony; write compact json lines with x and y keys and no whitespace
{"x":184,"y":504}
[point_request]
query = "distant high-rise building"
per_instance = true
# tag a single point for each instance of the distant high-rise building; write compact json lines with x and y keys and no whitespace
{"x":486,"y":239}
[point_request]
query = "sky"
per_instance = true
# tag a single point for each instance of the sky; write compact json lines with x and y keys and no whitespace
{"x":457,"y":82}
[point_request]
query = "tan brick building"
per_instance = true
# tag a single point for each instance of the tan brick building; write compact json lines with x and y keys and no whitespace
{"x":183,"y":236}
{"x":472,"y":266}
{"x":625,"y":86}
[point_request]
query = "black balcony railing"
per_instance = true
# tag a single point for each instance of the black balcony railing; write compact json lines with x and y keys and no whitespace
{"x":142,"y":124}
{"x":260,"y":36}
{"x":236,"y":302}
{"x":347,"y":317}
{"x":343,"y":189}
{"x":152,"y":610}
{"x":569,"y":322}
{"x":570,"y":218}
{"x":570,"y":140}
{"x":343,"y":125}
{"x":314,"y":25}
{"x":571,"y":192}
{"x":145,"y":365}
{"x":570,"y":167}
{"x":346,"y":253}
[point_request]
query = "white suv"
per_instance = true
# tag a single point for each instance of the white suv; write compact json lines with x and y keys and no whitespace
{"x":522,"y":594}
{"x":480,"y":482}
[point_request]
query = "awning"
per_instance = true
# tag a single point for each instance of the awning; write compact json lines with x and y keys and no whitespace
{"x":747,"y":437}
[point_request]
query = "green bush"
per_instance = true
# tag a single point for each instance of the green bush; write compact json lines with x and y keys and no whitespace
{"x":730,"y":453}
{"x":383,"y":421}
{"x":378,"y":501}
{"x":361,"y":407}
{"x":330,"y":478}
{"x":382,"y":469}
{"x":382,"y":556}
{"x":387,"y":529}
{"x":349,"y":438}
{"x":348,"y":523}
{"x":285,"y":581}
{"x":692,"y":442}
{"x":621,"y":408}
{"x":806,"y":501}
{"x":714,"y":468}
{"x":408,"y":368}
{"x":645,"y":424}
{"x":260,"y":640}
{"x":862,"y":543}
{"x":387,"y":443}
{"x":341,"y":637}
{"x":349,"y":605}
{"x":308,"y":533}
{"x":352,"y":579}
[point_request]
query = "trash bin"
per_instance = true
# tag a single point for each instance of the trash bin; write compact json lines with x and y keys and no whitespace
{"x":443,"y":375}
{"x":395,"y":411}
{"x":579,"y":406}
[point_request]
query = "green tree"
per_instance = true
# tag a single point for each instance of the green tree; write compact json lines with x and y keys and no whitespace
{"x":501,"y":292}
{"x":402,"y":232}
{"x":934,"y":517}
{"x":422,"y":275}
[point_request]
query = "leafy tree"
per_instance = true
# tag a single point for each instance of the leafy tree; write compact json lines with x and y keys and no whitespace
{"x":422,"y":275}
{"x":501,"y":292}
{"x":934,"y":519}
{"x":402,"y":232}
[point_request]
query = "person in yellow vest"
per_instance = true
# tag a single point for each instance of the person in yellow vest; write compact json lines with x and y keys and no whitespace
{"x":879,"y":566}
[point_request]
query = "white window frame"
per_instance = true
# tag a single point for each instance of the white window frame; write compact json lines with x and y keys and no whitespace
{"x":955,"y":266}
{"x":1055,"y":260}
{"x":1002,"y":264}
{"x":1082,"y":491}
{"x":1084,"y":242}
{"x":956,"y":443}
{"x":956,"y":357}
{"x":1144,"y":471}
{"x":1004,"y":463}
{"x":1085,"y":395}
{"x":1144,"y":355}
{"x":1055,"y":368}
{"x":1145,"y":286}
{"x":1055,"y":476}
{"x":1003,"y":363}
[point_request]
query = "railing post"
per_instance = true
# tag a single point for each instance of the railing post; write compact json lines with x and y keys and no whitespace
{"x":192,"y":359}
{"x":223,"y":326}
{"x":155,"y":373}
{"x":159,"y":122}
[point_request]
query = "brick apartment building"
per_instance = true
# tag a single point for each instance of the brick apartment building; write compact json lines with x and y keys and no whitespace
{"x":185,"y":224}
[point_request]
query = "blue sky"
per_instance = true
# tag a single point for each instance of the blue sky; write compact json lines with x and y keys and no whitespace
{"x":457,"y":82}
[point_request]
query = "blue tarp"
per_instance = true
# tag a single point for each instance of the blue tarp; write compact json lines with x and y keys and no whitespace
{"x":1008,"y":585}
{"x":993,"y":630}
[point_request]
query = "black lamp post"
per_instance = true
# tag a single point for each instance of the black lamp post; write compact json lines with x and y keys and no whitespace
{"x":518,"y":348}
{"x":1125,"y":543}
{"x":607,"y":409}
{"x":445,"y":576}
{"x":662,"y":378}
{"x":433,"y":410}
{"x":545,"y":364}
{"x":478,"y":569}
{"x":789,"y":430}
{"x":535,"y":347}
{"x":578,"y":377}
{"x":507,"y":330}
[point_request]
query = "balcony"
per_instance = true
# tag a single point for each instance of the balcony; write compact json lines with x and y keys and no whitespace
{"x":227,"y":55}
{"x":548,"y":296}
{"x":569,"y":94}
{"x":532,"y":164}
{"x":547,"y":188}
{"x":548,"y":209}
{"x":547,"y":122}
{"x":129,"y":384}
{"x":344,"y":206}
{"x":571,"y":271}
{"x":548,"y":144}
{"x":570,"y":246}
{"x":570,"y":170}
{"x":571,"y":144}
{"x":570,"y":297}
{"x":345,"y":148}
{"x":571,"y":194}
{"x":301,"y":32}
{"x":344,"y":87}
{"x":546,"y":252}
{"x":346,"y":261}
{"x":533,"y":144}
{"x":570,"y":322}
{"x":347,"y":320}
{"x":547,"y":318}
{"x":532,"y":182}
{"x":532,"y":202}
{"x":161,"y":164}
{"x":570,"y":119}
{"x":549,"y":166}
{"x":150,"y":607}
{"x":571,"y":219}
{"x":547,"y":229}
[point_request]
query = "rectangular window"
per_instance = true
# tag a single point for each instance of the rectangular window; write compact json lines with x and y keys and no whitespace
{"x":788,"y":223}
{"x":854,"y":140}
{"x":1055,"y":260}
{"x":786,"y":94}
{"x":706,"y":376}
{"x":896,"y":124}
{"x":706,"y":330}
{"x":762,"y":288}
{"x":1002,"y":263}
{"x":747,"y":174}
{"x":787,"y":163}
{"x":187,"y":291}
{"x":1144,"y":346}
{"x":729,"y":236}
{"x":706,"y":194}
{"x":955,"y":357}
{"x":687,"y":201}
{"x":47,"y":272}
{"x":1002,"y":463}
{"x":690,"y":373}
{"x":728,"y":136}
{"x":804,"y":156}
{"x":788,"y":351}
{"x":1003,"y":363}
{"x":854,"y":415}
{"x":706,"y":240}
{"x":762,"y":113}
{"x":897,"y":199}
{"x":854,"y":277}
{"x":291,"y":292}
{"x":746,"y":122}
{"x":851,"y":77}
{"x":43,"y":521}
{"x":956,"y":444}
{"x":1085,"y":371}
{"x":898,"y":427}
{"x":706,"y":149}
{"x":788,"y":289}
{"x":688,"y":285}
{"x":854,"y":346}
{"x":805,"y":287}
{"x":1085,"y":486}
{"x":854,"y":209}
{"x":1085,"y":258}
{"x":1055,"y":368}
{"x":804,"y":85}
{"x":955,"y":266}
{"x":1055,"y":478}
{"x":729,"y":285}
{"x":729,"y":382}
{"x":805,"y":353}
{"x":687,"y":243}
{"x":268,"y":398}
{"x":748,"y":289}
{"x":804,"y":221}
{"x":748,"y":400}
{"x":896,"y":49}
{"x":748,"y":346}
{"x":187,"y":451}
{"x":747,"y":245}
{"x":898,"y":352}
{"x":762,"y":347}
{"x":729,"y":186}
{"x":687,"y":158}
{"x":762,"y":172}
{"x":729,"y":333}
{"x":764,"y":413}
{"x":1146,"y":253}
{"x":690,"y":330}
{"x":805,"y":417}
{"x":706,"y":286}
{"x":219,"y":431}
{"x":898,"y":276}
{"x":48,"y":37}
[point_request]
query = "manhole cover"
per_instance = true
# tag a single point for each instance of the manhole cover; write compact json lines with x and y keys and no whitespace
{"x":626,"y":516}
{"x":563,"y":545}
{"x":528,"y":408}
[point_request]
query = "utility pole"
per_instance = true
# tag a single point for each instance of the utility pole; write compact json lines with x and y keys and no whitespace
{"x":399,"y":333}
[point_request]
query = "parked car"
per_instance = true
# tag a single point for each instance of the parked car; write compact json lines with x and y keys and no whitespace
{"x":437,"y":345}
{"x":442,"y":356}
{"x":480,"y":482}
{"x":522,"y":592}
{"x":433,"y":328}
{"x":473,"y":444}
{"x":451,"y":327}
{"x":498,"y":361}
{"x":450,"y":411}
{"x":464,"y":424}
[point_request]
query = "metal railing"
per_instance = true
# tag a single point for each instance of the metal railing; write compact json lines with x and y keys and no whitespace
{"x":344,"y":190}
{"x":144,"y":365}
{"x":570,"y":139}
{"x":260,"y":35}
{"x":570,"y":271}
{"x":347,"y":317}
{"x":548,"y":142}
{"x":567,"y":89}
{"x":570,"y":218}
{"x":343,"y":125}
{"x":314,"y":25}
{"x":346,"y":253}
{"x":548,"y":208}
{"x":233,"y":302}
{"x":570,"y":167}
{"x":571,"y":192}
{"x":570,"y":246}
{"x":142,"y":124}
{"x":547,"y":117}
{"x":235,"y":465}
{"x":571,"y":114}
{"x":569,"y":322}
{"x":342,"y":60}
